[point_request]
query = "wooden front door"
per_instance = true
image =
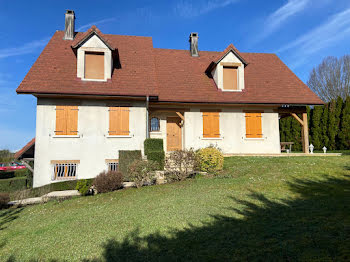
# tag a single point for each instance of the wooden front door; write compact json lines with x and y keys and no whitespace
{"x":174,"y":134}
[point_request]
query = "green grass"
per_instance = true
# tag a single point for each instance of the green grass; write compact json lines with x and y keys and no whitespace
{"x":257,"y":209}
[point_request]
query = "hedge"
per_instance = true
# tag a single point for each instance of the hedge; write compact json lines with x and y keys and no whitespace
{"x":153,"y":144}
{"x":126,"y":157}
{"x":7,"y":174}
{"x":157,"y":156}
{"x":13,"y":184}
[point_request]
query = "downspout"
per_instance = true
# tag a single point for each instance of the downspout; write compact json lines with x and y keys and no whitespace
{"x":147,"y":117}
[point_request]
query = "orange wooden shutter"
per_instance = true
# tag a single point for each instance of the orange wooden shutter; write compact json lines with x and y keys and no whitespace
{"x":72,"y":120}
{"x":94,"y":65}
{"x":211,"y":124}
{"x":230,"y":78}
{"x":61,"y":121}
{"x":253,"y":125}
{"x":119,"y":121}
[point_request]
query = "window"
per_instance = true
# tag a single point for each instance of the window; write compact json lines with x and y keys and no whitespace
{"x":211,"y":124}
{"x":230,"y":78}
{"x":155,"y":124}
{"x":119,"y":121}
{"x":65,"y":169}
{"x":66,"y":120}
{"x":253,"y":125}
{"x":113,"y":164}
{"x":94,"y":65}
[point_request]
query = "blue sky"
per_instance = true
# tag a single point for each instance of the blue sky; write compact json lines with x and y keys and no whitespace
{"x":301,"y":32}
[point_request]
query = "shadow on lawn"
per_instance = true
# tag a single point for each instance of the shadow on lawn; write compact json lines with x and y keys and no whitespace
{"x":315,"y":226}
{"x":8,"y":215}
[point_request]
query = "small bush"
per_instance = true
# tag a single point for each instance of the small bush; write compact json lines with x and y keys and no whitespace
{"x":210,"y":159}
{"x":126,"y":157}
{"x":4,"y":199}
{"x":21,"y":172}
{"x":153,"y":144}
{"x":158,"y":157}
{"x":29,"y":179}
{"x":13,"y":184}
{"x":180,"y":165}
{"x":83,"y":186}
{"x":108,"y":181}
{"x":140,"y":171}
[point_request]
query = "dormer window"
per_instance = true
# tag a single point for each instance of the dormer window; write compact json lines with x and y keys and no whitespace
{"x":94,"y":65}
{"x":230,"y":78}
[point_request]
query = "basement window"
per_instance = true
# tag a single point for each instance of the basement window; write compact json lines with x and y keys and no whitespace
{"x":94,"y":65}
{"x":65,"y":169}
{"x":113,"y":164}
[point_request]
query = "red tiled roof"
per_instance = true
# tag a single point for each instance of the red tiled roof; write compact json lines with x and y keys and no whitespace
{"x":172,"y":75}
{"x":19,"y":153}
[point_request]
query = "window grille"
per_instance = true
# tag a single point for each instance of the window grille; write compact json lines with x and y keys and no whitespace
{"x":65,"y":170}
{"x":113,"y":166}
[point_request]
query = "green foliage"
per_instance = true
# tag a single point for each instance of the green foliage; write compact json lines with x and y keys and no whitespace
{"x":5,"y":156}
{"x":108,"y":181}
{"x":325,"y":126}
{"x":158,"y":157}
{"x":140,"y":171}
{"x":4,"y":199}
{"x":315,"y":127}
{"x":153,"y":144}
{"x":210,"y":159}
{"x":21,"y":172}
{"x":126,"y":157}
{"x":344,"y":135}
{"x":29,"y":176}
{"x":83,"y":186}
{"x":13,"y":184}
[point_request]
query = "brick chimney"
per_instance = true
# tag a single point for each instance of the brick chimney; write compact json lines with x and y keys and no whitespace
{"x":194,"y":44}
{"x":69,"y":25}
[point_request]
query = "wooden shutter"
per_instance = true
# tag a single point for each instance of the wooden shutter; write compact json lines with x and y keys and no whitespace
{"x":72,"y":120}
{"x":211,"y":124}
{"x":230,"y":78}
{"x":61,"y":121}
{"x":66,"y":120}
{"x":253,"y":125}
{"x":94,"y":65}
{"x":119,"y":121}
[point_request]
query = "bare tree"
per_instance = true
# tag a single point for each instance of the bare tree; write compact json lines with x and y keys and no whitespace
{"x":331,"y":78}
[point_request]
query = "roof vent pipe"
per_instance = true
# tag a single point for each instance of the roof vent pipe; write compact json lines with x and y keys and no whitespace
{"x":69,"y":24}
{"x":194,"y":44}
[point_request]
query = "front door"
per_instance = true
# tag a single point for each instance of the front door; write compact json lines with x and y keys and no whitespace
{"x":174,"y":137}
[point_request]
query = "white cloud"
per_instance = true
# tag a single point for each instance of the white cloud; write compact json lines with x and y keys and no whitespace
{"x":26,"y":48}
{"x":334,"y":30}
{"x":188,"y":9}
{"x":99,"y":22}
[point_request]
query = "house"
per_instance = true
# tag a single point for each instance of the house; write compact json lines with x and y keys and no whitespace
{"x":100,"y":93}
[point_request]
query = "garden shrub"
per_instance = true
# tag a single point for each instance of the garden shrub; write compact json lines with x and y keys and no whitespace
{"x":140,"y":171}
{"x":108,"y":181}
{"x":13,"y":184}
{"x":158,"y":157}
{"x":180,"y":164}
{"x":210,"y":159}
{"x":4,"y":199}
{"x":83,"y":186}
{"x":29,"y":176}
{"x":153,"y":144}
{"x":126,"y":157}
{"x":21,"y":172}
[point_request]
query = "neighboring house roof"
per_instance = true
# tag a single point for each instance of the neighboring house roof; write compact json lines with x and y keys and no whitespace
{"x":172,"y":75}
{"x":25,"y":149}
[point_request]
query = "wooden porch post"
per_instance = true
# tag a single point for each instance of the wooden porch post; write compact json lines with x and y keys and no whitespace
{"x":305,"y":134}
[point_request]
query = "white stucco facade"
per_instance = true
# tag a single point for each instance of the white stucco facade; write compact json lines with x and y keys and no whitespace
{"x":232,"y":130}
{"x":92,"y":146}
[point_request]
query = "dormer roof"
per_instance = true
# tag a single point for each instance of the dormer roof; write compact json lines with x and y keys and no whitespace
{"x":80,"y":39}
{"x":234,"y":50}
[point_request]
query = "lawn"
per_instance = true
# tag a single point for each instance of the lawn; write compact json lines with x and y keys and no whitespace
{"x":257,"y":209}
